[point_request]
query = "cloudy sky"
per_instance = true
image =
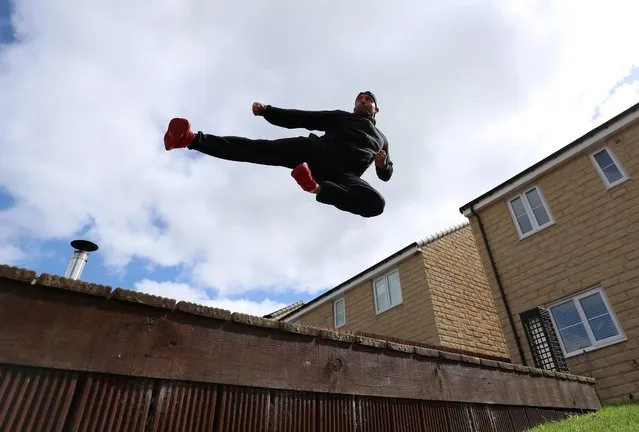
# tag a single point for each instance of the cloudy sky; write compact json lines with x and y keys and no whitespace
{"x":471,"y":92}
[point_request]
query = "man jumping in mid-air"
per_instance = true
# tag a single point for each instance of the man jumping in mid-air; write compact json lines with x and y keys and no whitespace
{"x":329,"y":166}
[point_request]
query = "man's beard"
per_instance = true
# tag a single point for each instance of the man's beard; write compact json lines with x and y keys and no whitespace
{"x":364,"y":111}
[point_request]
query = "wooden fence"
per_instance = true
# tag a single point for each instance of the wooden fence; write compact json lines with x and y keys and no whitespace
{"x":84,"y":357}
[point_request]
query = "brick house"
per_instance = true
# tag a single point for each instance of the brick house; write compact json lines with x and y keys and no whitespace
{"x":434,"y":292}
{"x":559,"y":244}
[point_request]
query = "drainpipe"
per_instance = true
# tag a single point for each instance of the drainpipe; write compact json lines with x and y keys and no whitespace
{"x":501,"y":288}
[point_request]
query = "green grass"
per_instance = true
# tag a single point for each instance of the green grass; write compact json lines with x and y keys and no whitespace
{"x":620,"y":417}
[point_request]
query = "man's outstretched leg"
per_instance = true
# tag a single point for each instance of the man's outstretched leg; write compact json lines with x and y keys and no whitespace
{"x":345,"y":192}
{"x":286,"y":152}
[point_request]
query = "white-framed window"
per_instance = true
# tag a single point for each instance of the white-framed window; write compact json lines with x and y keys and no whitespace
{"x":585,"y":322}
{"x":387,"y":291}
{"x":339,"y":313}
{"x":608,"y":167}
{"x":530,"y":212}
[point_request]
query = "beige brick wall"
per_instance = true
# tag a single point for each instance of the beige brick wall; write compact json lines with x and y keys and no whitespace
{"x":464,"y":309}
{"x":412,"y":320}
{"x":594,"y":241}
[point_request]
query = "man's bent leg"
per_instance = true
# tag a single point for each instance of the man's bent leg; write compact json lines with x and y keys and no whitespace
{"x":352,"y":194}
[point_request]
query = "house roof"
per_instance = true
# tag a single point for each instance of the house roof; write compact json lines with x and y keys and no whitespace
{"x":567,"y":152}
{"x":281,"y":313}
{"x":372,"y":271}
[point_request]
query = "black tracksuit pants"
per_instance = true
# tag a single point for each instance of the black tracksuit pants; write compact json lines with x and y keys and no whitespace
{"x":346,"y":191}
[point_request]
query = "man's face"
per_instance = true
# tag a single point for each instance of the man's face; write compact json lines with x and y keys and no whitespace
{"x":365,"y":106}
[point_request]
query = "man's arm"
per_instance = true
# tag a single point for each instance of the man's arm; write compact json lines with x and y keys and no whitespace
{"x":383,"y":164}
{"x":294,"y":118}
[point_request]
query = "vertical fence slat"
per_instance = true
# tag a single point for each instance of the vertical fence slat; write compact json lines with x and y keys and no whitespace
{"x":34,"y":398}
{"x":56,"y":400}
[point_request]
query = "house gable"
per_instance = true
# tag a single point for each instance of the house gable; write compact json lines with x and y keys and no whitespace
{"x":438,"y":296}
{"x":380,"y":269}
{"x":563,"y":155}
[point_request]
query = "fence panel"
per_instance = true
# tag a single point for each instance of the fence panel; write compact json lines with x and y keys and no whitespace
{"x":111,"y":403}
{"x":35,"y":399}
{"x":39,"y":399}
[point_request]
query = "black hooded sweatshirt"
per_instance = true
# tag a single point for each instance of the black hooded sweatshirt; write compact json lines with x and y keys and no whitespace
{"x":351,"y":139}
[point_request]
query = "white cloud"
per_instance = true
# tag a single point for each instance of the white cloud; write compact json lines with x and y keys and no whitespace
{"x":184,"y":292}
{"x":469,"y":96}
{"x":10,"y":254}
{"x":620,"y":99}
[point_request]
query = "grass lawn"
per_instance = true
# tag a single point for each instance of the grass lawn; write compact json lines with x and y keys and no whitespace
{"x":621,"y":417}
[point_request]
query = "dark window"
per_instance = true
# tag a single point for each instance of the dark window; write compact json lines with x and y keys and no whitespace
{"x":542,"y":340}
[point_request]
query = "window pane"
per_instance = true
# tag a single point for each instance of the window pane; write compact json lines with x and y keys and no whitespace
{"x":575,"y":338}
{"x":381,"y":293}
{"x":593,"y":306}
{"x":534,"y":199}
{"x":603,"y":327}
{"x":603,"y":159}
{"x":382,"y":302}
{"x":607,"y":165}
{"x":565,"y":315}
{"x":518,"y":207}
{"x":598,"y":316}
{"x":395,"y":289}
{"x":524,"y":224}
{"x":612,"y":173}
{"x":339,"y":313}
{"x":520,"y":213}
{"x":541,"y":215}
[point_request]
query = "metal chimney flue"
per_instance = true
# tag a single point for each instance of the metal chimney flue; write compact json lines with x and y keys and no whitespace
{"x":82,"y":248}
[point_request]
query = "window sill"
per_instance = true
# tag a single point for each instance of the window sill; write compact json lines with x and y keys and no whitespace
{"x":596,"y":347}
{"x":388,"y":309}
{"x":532,"y":233}
{"x":617,"y":183}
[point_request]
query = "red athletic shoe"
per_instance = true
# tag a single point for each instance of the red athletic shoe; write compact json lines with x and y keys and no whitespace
{"x":302,"y":174}
{"x":178,"y":135}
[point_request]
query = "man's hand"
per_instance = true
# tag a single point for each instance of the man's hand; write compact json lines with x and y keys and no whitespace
{"x":257,"y":108}
{"x":380,"y":159}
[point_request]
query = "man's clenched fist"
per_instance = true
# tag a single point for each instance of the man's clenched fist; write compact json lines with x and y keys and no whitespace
{"x":257,"y":108}
{"x":380,"y":159}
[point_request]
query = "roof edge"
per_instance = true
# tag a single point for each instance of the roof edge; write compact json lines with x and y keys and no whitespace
{"x":382,"y":265}
{"x":560,"y":156}
{"x":429,"y":239}
{"x":386,"y":263}
{"x":282,"y":312}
